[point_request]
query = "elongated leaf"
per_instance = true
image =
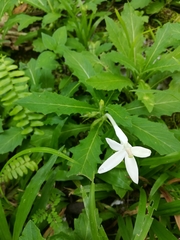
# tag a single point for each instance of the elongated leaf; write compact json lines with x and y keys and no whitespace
{"x":155,"y":135}
{"x":39,"y":4}
{"x":160,"y":44}
{"x":141,"y":213}
{"x":10,"y":139}
{"x":158,"y":183}
{"x":5,"y":233}
{"x":87,"y":154}
{"x":161,"y":231}
{"x":165,"y":103}
{"x":108,"y":81}
{"x":31,"y":232}
{"x":29,"y":196}
{"x":168,"y":62}
{"x":48,"y":102}
{"x":82,"y":67}
{"x":118,"y":57}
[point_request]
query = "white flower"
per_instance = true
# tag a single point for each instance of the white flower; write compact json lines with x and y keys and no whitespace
{"x":123,"y":150}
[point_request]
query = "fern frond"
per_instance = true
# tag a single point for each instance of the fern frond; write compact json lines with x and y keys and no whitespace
{"x":17,"y":167}
{"x":13,"y":86}
{"x":13,"y":83}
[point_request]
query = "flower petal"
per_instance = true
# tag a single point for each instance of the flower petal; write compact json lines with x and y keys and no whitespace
{"x":132,"y":168}
{"x":114,"y":145}
{"x":112,"y":162}
{"x":119,"y":133}
{"x":140,"y":152}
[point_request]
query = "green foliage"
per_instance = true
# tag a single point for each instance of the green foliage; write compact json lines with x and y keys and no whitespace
{"x":87,"y":62}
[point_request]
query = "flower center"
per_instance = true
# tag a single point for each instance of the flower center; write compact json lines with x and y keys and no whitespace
{"x":128,"y":150}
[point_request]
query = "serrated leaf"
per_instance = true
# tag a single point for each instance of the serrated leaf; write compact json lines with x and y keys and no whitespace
{"x":120,"y":115}
{"x":118,"y":57}
{"x":48,"y":102}
{"x":160,"y":44}
{"x":10,"y":139}
{"x":87,"y":154}
{"x":31,"y":232}
{"x":127,"y":35}
{"x":155,"y":135}
{"x":146,"y":97}
{"x":108,"y":81}
{"x":168,"y":62}
{"x":165,"y":103}
{"x":82,"y":67}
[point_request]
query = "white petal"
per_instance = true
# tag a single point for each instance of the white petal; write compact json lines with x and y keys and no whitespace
{"x":114,"y":145}
{"x":119,"y":133}
{"x":132,"y":168}
{"x":112,"y":162}
{"x":140,"y":152}
{"x":111,"y":119}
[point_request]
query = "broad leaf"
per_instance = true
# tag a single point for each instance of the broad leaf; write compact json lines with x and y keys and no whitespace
{"x":49,"y":42}
{"x":165,"y":103}
{"x":82,"y":67}
{"x":48,"y":102}
{"x":87,"y":154}
{"x":139,"y":3}
{"x":10,"y":139}
{"x":155,"y":135}
{"x":31,"y":232}
{"x":108,"y":81}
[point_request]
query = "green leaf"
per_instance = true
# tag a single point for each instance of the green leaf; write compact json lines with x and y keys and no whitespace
{"x":161,"y":231}
{"x":39,"y":4}
{"x":120,"y":115}
{"x":87,"y":154}
{"x":160,"y":44}
{"x":119,"y":180}
{"x":49,"y":42}
{"x":60,"y":35}
{"x":158,"y":183}
{"x":5,"y":233}
{"x":146,"y":224}
{"x":141,"y":213}
{"x":108,"y":81}
{"x":155,"y":135}
{"x":10,"y":139}
{"x":80,"y":64}
{"x":31,"y":232}
{"x":168,"y":62}
{"x":48,"y":102}
{"x":165,"y":103}
{"x":118,"y":57}
{"x":145,"y":96}
{"x":169,"y":208}
{"x":139,"y":3}
{"x":29,"y":196}
{"x":89,"y":222}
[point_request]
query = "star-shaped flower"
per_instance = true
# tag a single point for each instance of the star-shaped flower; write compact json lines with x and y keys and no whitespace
{"x":123,"y":151}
